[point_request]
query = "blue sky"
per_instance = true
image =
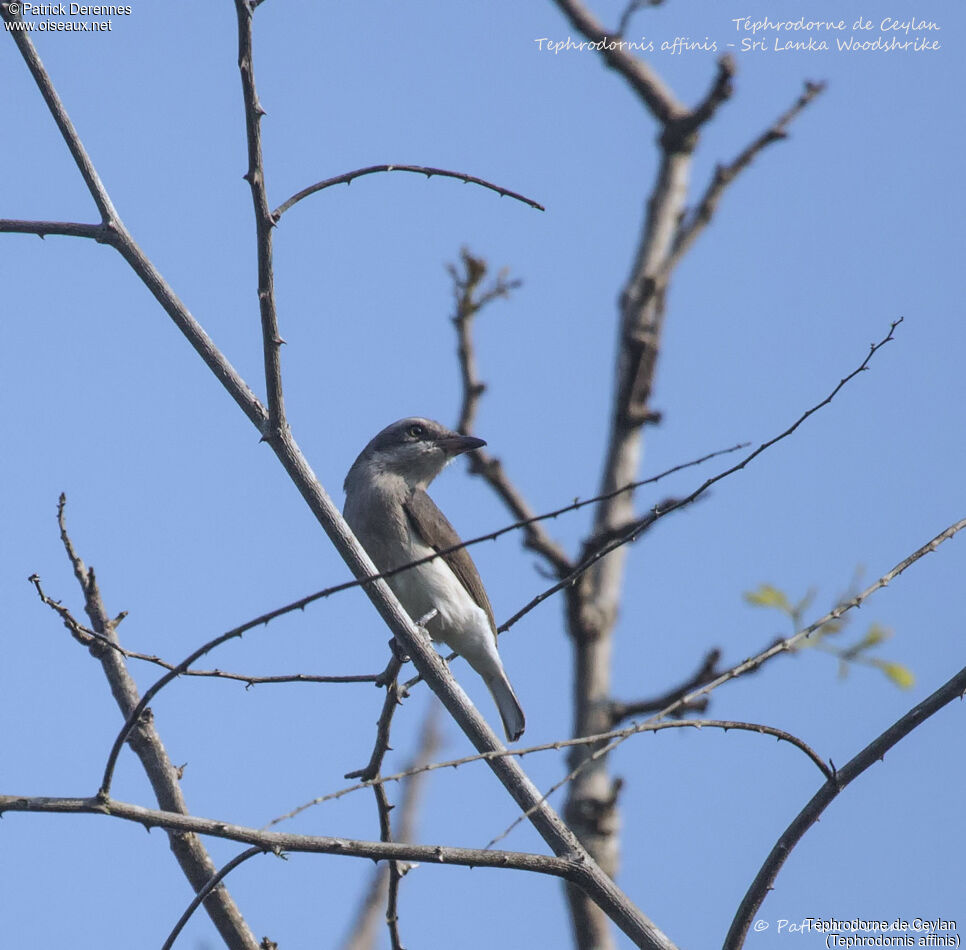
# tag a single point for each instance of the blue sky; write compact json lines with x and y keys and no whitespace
{"x":852,"y":222}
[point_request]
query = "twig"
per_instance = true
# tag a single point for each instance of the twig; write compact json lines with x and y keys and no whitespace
{"x":556,"y":746}
{"x":189,"y":851}
{"x":639,"y":76}
{"x":470,"y":298}
{"x":264,"y":223}
{"x":811,"y":813}
{"x":348,"y":177}
{"x":630,"y":10}
{"x":112,"y":231}
{"x":656,"y":513}
{"x":781,"y":646}
{"x":213,"y":882}
{"x":679,"y":134}
{"x":93,"y":640}
{"x":362,"y":933}
{"x":569,"y":867}
{"x":390,"y":679}
{"x":690,"y":227}
{"x":590,"y":879}
{"x":42,"y":229}
{"x":708,"y":670}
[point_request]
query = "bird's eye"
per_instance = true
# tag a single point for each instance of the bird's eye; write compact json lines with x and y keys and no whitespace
{"x":417,"y":431}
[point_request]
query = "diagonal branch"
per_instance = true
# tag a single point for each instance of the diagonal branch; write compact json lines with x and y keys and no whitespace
{"x":59,"y":114}
{"x":188,"y":849}
{"x":810,"y":814}
{"x":708,"y":670}
{"x":649,"y":87}
{"x":590,"y":879}
{"x":632,"y":533}
{"x":348,"y":177}
{"x":114,"y":232}
{"x":691,"y":226}
{"x":212,"y":883}
{"x":781,"y":646}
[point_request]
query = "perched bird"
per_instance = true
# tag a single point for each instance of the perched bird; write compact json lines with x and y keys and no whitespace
{"x":387,"y":507}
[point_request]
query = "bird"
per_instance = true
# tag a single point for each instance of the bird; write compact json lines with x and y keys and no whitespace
{"x":396,"y":521}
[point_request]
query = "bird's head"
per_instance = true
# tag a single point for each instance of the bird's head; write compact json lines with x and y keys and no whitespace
{"x":414,"y":449}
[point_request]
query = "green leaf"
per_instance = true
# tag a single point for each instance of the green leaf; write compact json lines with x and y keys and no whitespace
{"x":768,"y":596}
{"x":901,"y":675}
{"x":875,"y":635}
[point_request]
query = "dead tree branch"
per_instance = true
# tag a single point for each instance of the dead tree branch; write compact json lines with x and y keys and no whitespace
{"x":348,"y":177}
{"x":810,"y":814}
{"x":146,"y":743}
{"x":270,"y":424}
{"x":470,"y":298}
{"x":362,"y":933}
{"x":626,"y":534}
{"x":753,"y":663}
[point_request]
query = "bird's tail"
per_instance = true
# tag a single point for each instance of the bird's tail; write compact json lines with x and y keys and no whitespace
{"x":514,"y":722}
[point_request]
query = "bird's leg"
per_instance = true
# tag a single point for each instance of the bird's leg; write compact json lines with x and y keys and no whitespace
{"x":398,"y":652}
{"x":426,"y":617}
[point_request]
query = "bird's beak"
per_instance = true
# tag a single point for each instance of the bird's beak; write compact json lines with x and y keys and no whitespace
{"x":458,"y":444}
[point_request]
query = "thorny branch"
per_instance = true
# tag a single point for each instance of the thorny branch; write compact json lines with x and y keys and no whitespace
{"x":557,"y":745}
{"x":590,"y":878}
{"x":349,"y":177}
{"x":146,"y":743}
{"x":470,"y":298}
{"x":389,"y":679}
{"x":568,"y":867}
{"x":753,"y":663}
{"x":362,"y":932}
{"x":212,"y":883}
{"x":631,"y":533}
{"x":810,"y":814}
{"x":93,"y":640}
{"x":698,"y":219}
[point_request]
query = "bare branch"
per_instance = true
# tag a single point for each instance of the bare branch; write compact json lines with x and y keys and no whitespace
{"x":96,"y":232}
{"x":264,"y":222}
{"x":569,"y":867}
{"x":470,"y":298}
{"x":708,"y":670}
{"x":347,"y":178}
{"x":92,"y":639}
{"x":810,"y":814}
{"x":114,"y":232}
{"x":689,"y":229}
{"x":640,"y":77}
{"x":630,"y":10}
{"x":362,"y":933}
{"x":59,"y":114}
{"x":389,"y":679}
{"x":657,"y":513}
{"x":146,"y":743}
{"x":719,"y":93}
{"x":591,"y":879}
{"x":781,"y":646}
{"x":214,"y":881}
{"x":625,"y":733}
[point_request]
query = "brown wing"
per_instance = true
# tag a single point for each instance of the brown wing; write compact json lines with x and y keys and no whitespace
{"x":431,"y":525}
